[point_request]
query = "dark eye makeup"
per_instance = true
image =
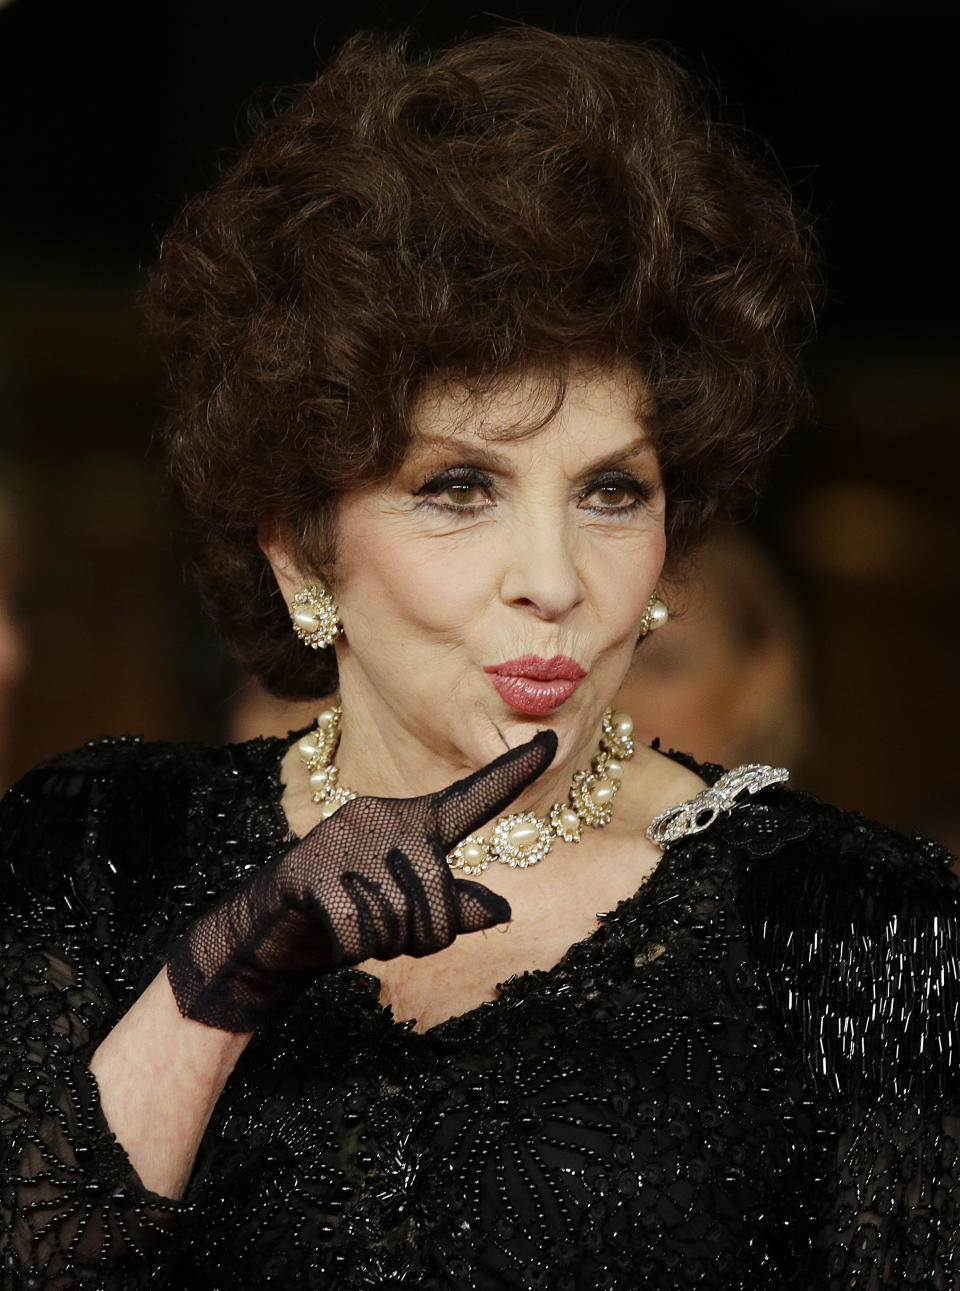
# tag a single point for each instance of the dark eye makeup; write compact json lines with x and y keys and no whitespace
{"x":614,"y":484}
{"x":455,"y":480}
{"x":619,"y":492}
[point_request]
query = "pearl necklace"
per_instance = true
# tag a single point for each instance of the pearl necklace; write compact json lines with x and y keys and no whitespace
{"x":518,"y":840}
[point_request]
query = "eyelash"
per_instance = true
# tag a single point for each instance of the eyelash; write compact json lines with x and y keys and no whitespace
{"x":472,"y":477}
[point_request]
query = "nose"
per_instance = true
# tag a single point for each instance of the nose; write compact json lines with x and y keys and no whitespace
{"x":540,"y":571}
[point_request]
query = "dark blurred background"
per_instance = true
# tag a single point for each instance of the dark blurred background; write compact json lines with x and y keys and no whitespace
{"x":112,"y":116}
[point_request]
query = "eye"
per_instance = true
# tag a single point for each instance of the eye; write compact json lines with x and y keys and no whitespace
{"x":460,"y":489}
{"x":614,"y":495}
{"x":619,"y":492}
{"x":462,"y":494}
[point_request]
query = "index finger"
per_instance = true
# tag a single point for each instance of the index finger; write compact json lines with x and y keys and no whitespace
{"x":469,"y":803}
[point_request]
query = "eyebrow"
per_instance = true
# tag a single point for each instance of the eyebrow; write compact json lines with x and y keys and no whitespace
{"x":639,"y":445}
{"x":482,"y":455}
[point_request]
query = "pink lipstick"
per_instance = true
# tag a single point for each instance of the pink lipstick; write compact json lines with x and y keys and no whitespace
{"x":535,"y":685}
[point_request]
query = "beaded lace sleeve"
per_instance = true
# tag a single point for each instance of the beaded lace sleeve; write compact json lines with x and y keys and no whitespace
{"x":859,"y":930}
{"x":73,"y":1210}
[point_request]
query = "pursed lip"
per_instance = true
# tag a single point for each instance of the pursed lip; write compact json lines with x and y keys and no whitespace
{"x":559,"y":668}
{"x":532,"y":684}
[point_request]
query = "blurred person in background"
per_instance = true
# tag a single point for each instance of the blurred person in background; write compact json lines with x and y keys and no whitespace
{"x":468,"y":352}
{"x":12,"y":650}
{"x":726,"y":679}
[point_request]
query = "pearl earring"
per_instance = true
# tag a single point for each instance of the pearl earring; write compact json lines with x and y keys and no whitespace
{"x":654,"y":616}
{"x":315,"y":617}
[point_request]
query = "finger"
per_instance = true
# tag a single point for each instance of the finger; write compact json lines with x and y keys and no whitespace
{"x":479,"y":907}
{"x":429,"y":900}
{"x":469,"y":803}
{"x":378,"y":932}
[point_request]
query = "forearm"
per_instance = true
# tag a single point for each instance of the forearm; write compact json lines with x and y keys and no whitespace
{"x":160,"y":1076}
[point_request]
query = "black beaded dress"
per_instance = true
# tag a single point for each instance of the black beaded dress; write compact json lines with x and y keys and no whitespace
{"x":748,"y":1077}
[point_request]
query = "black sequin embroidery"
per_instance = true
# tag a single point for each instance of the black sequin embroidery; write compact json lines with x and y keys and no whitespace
{"x":747,"y":1078}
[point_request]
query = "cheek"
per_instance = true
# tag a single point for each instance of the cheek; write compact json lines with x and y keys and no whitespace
{"x":394,"y":585}
{"x":398,"y":585}
{"x":622,"y":578}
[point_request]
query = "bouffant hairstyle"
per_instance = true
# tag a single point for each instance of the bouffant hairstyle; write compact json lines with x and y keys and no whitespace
{"x":508,"y":204}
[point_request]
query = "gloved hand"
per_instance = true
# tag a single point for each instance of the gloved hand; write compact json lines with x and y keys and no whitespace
{"x":370,"y":882}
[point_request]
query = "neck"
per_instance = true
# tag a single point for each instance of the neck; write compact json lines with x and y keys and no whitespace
{"x":385,"y":753}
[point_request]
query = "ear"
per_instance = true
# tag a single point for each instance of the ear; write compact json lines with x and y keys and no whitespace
{"x":276,"y":543}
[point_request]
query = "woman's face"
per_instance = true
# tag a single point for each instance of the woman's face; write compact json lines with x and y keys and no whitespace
{"x":485,"y":555}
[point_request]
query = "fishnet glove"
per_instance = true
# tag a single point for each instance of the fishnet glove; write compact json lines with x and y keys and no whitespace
{"x":371,"y":882}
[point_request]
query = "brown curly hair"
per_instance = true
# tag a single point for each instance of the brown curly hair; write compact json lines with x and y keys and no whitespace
{"x":503,"y":205}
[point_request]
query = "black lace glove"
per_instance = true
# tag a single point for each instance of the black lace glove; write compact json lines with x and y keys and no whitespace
{"x":371,"y":882}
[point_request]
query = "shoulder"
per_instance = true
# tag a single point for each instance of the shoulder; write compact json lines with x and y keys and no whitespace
{"x":857,"y":928}
{"x":789,"y":841}
{"x":127,"y":774}
{"x":116,"y":802}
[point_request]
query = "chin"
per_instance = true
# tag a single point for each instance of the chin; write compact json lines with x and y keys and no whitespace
{"x":570,"y":721}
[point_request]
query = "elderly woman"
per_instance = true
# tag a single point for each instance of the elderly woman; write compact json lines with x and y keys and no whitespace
{"x":467,"y":352}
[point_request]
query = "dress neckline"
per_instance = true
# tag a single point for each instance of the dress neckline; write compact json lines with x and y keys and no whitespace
{"x":673,"y":827}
